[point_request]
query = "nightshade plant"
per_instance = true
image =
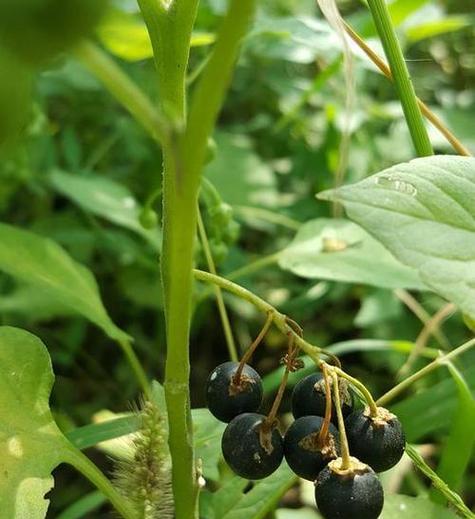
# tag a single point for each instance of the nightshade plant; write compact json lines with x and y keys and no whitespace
{"x":413,"y":227}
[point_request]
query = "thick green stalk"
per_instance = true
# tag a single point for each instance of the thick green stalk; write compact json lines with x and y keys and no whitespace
{"x":400,"y":74}
{"x":170,"y":32}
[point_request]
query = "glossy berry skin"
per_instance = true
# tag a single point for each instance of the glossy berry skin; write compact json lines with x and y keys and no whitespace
{"x":378,"y":444}
{"x":308,"y":401}
{"x":243,"y":451}
{"x":223,"y":402}
{"x":356,"y":496}
{"x":303,"y":455}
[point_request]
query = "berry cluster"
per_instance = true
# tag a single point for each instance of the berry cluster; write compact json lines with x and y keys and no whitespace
{"x":317,"y":445}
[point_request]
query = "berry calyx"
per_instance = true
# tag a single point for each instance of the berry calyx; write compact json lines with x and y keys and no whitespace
{"x":355,"y":492}
{"x":229,"y":395}
{"x":308,"y":398}
{"x":377,"y":440}
{"x":304,"y":449}
{"x":251,"y":448}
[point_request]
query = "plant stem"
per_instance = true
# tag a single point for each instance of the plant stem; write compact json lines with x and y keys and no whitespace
{"x":252,"y":348}
{"x":228,"y":334}
{"x":122,"y":88}
{"x":400,"y":73}
{"x":280,"y":320}
{"x":86,"y":467}
{"x":322,"y":435}
{"x":426,"y":111}
{"x":437,"y":363}
{"x":345,"y":450}
{"x":170,"y":33}
{"x":136,"y":366}
{"x":362,"y":388}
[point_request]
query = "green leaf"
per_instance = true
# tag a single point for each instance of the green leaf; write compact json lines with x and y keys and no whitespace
{"x":430,"y":410}
{"x":430,"y":29}
{"x":239,"y":175}
{"x":207,"y":433}
{"x":457,"y":450}
{"x":342,"y":251}
{"x":105,"y":198}
{"x":45,"y":265}
{"x":229,"y":502}
{"x":126,"y":36}
{"x":30,"y":442}
{"x":423,"y":212}
{"x":405,"y":507}
{"x":83,"y":506}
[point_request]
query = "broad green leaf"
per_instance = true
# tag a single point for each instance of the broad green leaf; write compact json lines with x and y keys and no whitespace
{"x":30,"y":442}
{"x":423,"y":212}
{"x":230,"y":501}
{"x":83,"y":506}
{"x":47,"y":266}
{"x":434,"y":28}
{"x":405,"y":507}
{"x":125,"y":35}
{"x":457,"y":450}
{"x":105,"y":198}
{"x":342,"y":251}
{"x":207,"y":433}
{"x":239,"y":175}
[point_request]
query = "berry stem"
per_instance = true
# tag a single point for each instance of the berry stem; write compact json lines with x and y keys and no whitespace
{"x":280,"y":320}
{"x":345,"y":450}
{"x":322,"y":436}
{"x":440,"y":361}
{"x":252,"y":348}
{"x":373,"y":408}
{"x":291,"y":351}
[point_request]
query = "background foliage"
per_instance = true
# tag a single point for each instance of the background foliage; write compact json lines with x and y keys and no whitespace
{"x":82,"y":169}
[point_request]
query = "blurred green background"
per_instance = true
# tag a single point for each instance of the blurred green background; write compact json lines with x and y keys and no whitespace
{"x":76,"y":168}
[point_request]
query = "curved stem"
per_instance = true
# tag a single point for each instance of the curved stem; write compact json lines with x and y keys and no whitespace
{"x":400,"y":73}
{"x":322,"y":436}
{"x":252,"y":348}
{"x":136,"y":366}
{"x":86,"y":467}
{"x":228,"y":334}
{"x":362,"y":388}
{"x":437,"y":363}
{"x":280,"y":320}
{"x":345,"y":450}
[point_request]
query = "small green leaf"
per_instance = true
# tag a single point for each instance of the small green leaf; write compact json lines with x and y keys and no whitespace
{"x":105,"y":198}
{"x":423,"y":212}
{"x":47,"y":266}
{"x":30,"y":442}
{"x":342,"y":251}
{"x":83,"y":506}
{"x":405,"y":507}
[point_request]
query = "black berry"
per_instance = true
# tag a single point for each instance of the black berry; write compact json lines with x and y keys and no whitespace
{"x":378,"y":441}
{"x":228,"y":398}
{"x":308,"y":398}
{"x":248,"y":450}
{"x":356,"y":494}
{"x":305,"y":453}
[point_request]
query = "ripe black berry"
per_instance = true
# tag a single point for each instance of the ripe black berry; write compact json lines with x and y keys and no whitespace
{"x":356,"y":493}
{"x":227,"y":398}
{"x":304,"y":452}
{"x":248,"y":450}
{"x":379,"y":441}
{"x":308,"y":398}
